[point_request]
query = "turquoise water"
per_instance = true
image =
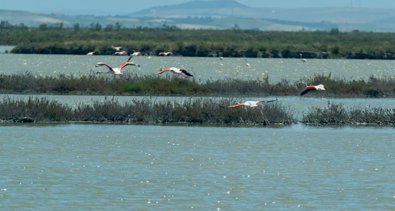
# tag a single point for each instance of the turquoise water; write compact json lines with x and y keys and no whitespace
{"x":126,"y":167}
{"x":202,"y":68}
{"x":6,"y":48}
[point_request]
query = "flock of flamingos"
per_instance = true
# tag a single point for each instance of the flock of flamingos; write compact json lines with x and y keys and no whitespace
{"x":184,"y":73}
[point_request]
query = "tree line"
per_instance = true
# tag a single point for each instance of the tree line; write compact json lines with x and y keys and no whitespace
{"x":235,"y":42}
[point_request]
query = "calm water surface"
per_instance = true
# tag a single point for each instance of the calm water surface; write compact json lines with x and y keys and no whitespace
{"x":125,"y":167}
{"x":203,"y":68}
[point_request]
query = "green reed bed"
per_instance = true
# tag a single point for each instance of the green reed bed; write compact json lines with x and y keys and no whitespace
{"x":156,"y":85}
{"x":193,"y":111}
{"x":338,"y":115}
{"x":34,"y":109}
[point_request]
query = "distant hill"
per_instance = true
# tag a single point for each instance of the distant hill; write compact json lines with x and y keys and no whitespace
{"x":27,"y":18}
{"x":344,"y":18}
{"x":225,"y":14}
{"x":214,"y":8}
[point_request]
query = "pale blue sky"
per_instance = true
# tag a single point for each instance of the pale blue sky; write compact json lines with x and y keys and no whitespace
{"x":129,"y":6}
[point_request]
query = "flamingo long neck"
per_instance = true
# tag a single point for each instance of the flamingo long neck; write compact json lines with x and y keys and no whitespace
{"x":124,"y":64}
{"x":164,"y":70}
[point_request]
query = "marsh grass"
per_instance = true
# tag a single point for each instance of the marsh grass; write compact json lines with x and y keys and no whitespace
{"x":39,"y":109}
{"x":172,"y":86}
{"x":338,"y":115}
{"x":193,"y":111}
{"x":372,"y":87}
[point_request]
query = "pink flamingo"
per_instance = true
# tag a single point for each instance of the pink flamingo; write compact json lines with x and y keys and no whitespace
{"x":117,"y":70}
{"x":251,"y":103}
{"x":176,"y":70}
{"x":312,"y":88}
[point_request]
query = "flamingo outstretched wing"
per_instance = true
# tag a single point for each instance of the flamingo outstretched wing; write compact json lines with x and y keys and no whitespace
{"x":307,"y":89}
{"x":104,"y":64}
{"x":268,"y":101}
{"x":186,"y":73}
{"x":130,"y":57}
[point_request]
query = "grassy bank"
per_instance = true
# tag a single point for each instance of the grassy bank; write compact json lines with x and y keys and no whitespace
{"x":208,"y":112}
{"x":203,"y":42}
{"x":152,"y":85}
{"x":205,"y":112}
{"x":338,"y":115}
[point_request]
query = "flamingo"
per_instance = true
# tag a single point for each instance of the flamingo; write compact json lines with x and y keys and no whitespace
{"x":312,"y":88}
{"x":117,"y":70}
{"x":251,"y":103}
{"x":136,"y":53}
{"x":176,"y":70}
{"x":121,"y":53}
{"x":168,"y":53}
{"x":116,"y":48}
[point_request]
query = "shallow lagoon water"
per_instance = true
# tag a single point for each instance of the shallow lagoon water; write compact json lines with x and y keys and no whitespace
{"x":129,"y":167}
{"x":203,"y":68}
{"x":113,"y":167}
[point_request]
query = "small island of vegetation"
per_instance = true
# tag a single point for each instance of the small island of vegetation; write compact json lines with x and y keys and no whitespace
{"x":57,"y":39}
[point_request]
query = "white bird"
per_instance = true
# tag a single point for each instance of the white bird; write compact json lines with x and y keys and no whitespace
{"x":168,"y":53}
{"x":312,"y":88}
{"x":117,"y":70}
{"x":176,"y":70}
{"x":136,"y":53}
{"x":251,"y":103}
{"x":91,"y":53}
{"x":247,"y":64}
{"x":116,"y":48}
{"x":121,"y":53}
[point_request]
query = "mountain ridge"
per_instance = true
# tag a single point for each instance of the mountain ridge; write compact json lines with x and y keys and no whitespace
{"x":225,"y":14}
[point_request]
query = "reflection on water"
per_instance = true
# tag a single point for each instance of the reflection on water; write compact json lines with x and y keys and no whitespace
{"x":202,"y":68}
{"x":112,"y":167}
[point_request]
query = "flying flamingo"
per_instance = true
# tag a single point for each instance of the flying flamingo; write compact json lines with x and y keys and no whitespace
{"x":116,"y":48}
{"x":117,"y":70}
{"x":312,"y":88}
{"x":176,"y":70}
{"x":136,"y":53}
{"x":121,"y":53}
{"x":168,"y":53}
{"x":251,"y":103}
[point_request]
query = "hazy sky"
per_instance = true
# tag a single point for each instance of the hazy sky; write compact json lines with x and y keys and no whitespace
{"x":129,"y":6}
